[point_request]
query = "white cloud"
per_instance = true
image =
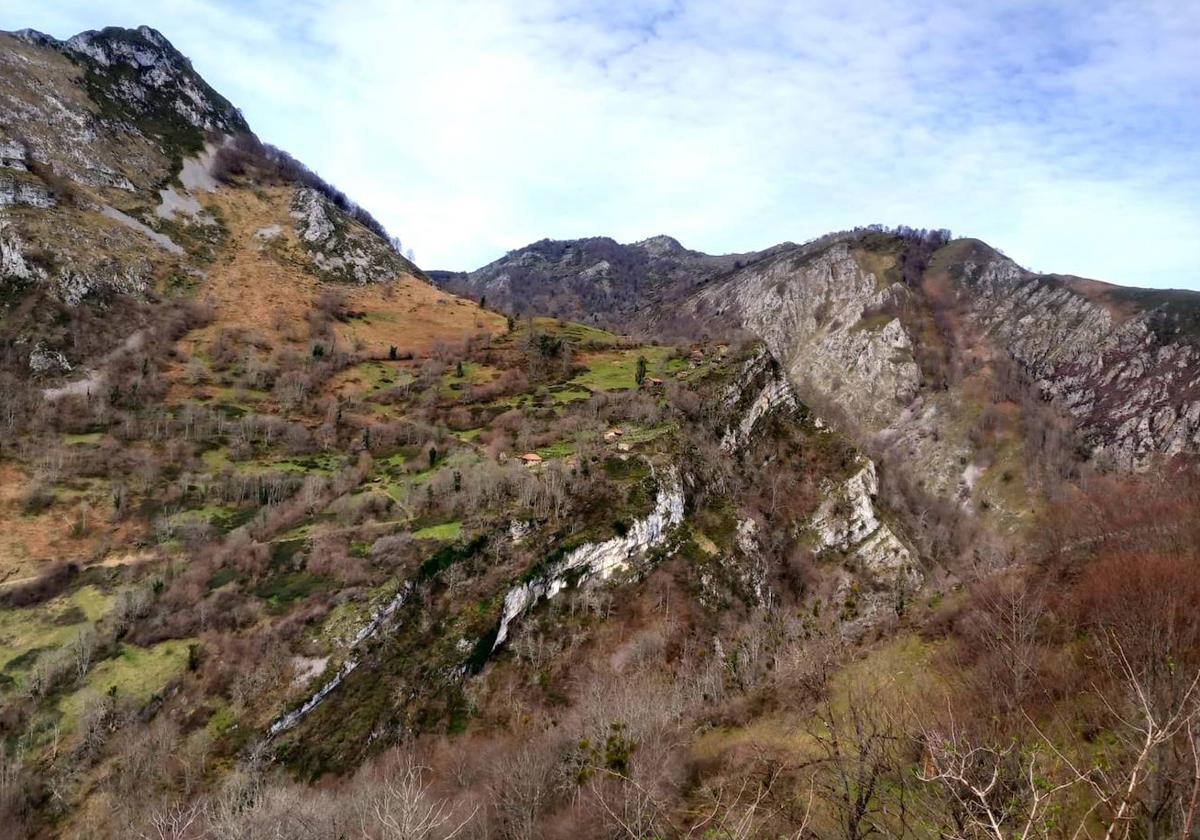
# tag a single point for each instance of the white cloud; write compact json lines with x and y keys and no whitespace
{"x":1062,"y":134}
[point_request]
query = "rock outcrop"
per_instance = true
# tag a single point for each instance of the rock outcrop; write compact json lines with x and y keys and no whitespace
{"x":1120,"y":361}
{"x":341,"y":249}
{"x":378,"y":618}
{"x":809,"y":309}
{"x":879,"y":572}
{"x":597,"y":561}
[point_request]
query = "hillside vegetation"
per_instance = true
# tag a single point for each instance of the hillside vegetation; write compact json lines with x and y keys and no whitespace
{"x":844,"y":541}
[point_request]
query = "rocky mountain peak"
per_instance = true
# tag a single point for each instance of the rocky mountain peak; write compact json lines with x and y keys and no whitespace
{"x":661,"y":245}
{"x":136,"y":76}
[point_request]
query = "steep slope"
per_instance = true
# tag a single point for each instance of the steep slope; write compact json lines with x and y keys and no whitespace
{"x":914,"y":357}
{"x":109,"y":144}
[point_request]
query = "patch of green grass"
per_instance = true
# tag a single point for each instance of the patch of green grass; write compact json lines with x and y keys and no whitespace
{"x":613,"y":370}
{"x":239,"y":397}
{"x":579,"y":334}
{"x":445,"y":531}
{"x":473,"y":374}
{"x":222,"y":517}
{"x":377,"y":376}
{"x":283,"y":589}
{"x":566,"y":394}
{"x":48,"y":625}
{"x":135,"y":672}
{"x":322,"y":463}
{"x":646,"y":434}
{"x":468,"y":435}
{"x":85,"y":438}
{"x":558,"y":449}
{"x":217,"y":459}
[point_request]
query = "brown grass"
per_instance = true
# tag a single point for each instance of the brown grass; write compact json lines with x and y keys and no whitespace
{"x":31,"y":542}
{"x":265,"y":285}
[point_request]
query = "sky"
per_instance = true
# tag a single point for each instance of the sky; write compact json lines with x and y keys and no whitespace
{"x":1066,"y":134}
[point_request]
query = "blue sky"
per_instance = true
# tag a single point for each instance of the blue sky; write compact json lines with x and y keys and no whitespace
{"x":1067,"y":133}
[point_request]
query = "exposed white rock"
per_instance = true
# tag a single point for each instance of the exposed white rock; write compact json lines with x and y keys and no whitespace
{"x":518,"y":530}
{"x":808,"y":310}
{"x":172,"y":202}
{"x":776,"y":393}
{"x":1132,"y":393}
{"x":74,"y":286}
{"x":598,"y":561}
{"x":12,"y":154}
{"x":24,"y":191}
{"x":160,"y":239}
{"x":311,"y":211}
{"x":597,"y":271}
{"x":339,"y":248}
{"x":196,"y":172}
{"x":883,"y":568}
{"x":43,"y":361}
{"x":368,"y":630}
{"x":12,"y":256}
{"x":292,"y":718}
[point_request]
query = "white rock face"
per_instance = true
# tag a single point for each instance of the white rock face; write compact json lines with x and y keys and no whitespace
{"x":808,"y":311}
{"x":196,"y":172}
{"x":159,"y":239}
{"x":43,"y":361}
{"x":368,"y":630}
{"x":12,"y":154}
{"x":158,"y":68}
{"x":775,"y":394}
{"x":598,"y":561}
{"x":292,"y":718}
{"x":172,"y":202}
{"x":340,"y":249}
{"x":24,"y":191}
{"x":311,"y":212}
{"x":12,"y":256}
{"x":884,"y":569}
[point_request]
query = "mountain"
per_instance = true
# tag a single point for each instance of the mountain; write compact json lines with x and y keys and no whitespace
{"x":939,"y":350}
{"x":110,"y":146}
{"x":594,"y":280}
{"x":878,"y":535}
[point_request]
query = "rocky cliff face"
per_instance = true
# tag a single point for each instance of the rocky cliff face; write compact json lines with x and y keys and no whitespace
{"x":1120,"y":361}
{"x":876,"y":572}
{"x":597,"y":562}
{"x":809,"y":309}
{"x":341,"y":250}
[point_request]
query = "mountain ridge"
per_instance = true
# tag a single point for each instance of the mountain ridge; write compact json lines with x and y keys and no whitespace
{"x":912,"y":309}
